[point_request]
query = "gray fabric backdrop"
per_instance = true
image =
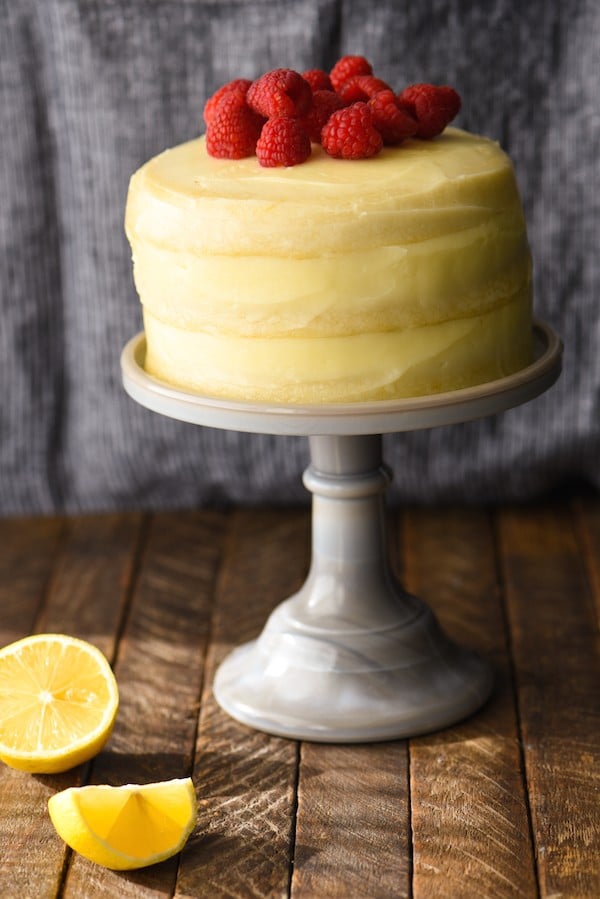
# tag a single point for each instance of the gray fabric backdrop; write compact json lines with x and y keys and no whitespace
{"x":89,"y":89}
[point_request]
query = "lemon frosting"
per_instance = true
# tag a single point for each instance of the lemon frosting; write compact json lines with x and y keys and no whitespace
{"x":332,"y":281}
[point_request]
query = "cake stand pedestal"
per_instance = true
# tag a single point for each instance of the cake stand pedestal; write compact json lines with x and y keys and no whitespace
{"x":352,"y":656}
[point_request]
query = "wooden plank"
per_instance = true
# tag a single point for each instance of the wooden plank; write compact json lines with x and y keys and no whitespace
{"x":90,"y":585}
{"x":246,"y":779}
{"x":28,"y":552}
{"x":555,"y":649}
{"x":464,"y":784}
{"x":469,"y":813}
{"x":352,"y":834}
{"x":352,"y":830}
{"x":83,"y":597}
{"x":587,"y":517}
{"x":159,"y":668}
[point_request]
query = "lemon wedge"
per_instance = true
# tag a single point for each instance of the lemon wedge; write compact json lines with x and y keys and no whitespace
{"x":126,"y":827}
{"x":58,"y":702}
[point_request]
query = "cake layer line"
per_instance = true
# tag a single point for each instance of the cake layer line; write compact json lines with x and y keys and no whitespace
{"x":359,"y":367}
{"x":368,"y":290}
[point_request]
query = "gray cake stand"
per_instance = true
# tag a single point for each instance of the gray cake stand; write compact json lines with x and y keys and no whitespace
{"x":351,"y":657}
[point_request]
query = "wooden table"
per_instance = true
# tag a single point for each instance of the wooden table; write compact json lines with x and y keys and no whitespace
{"x":504,"y":804}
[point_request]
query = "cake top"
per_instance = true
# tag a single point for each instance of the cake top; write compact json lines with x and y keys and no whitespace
{"x":414,"y":192}
{"x":418,"y":169}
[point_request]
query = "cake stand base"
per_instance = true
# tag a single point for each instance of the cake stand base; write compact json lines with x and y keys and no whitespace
{"x":351,"y":657}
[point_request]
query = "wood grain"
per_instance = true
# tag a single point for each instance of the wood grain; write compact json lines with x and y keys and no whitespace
{"x":79,"y":592}
{"x":352,"y":835}
{"x":246,"y":779}
{"x":159,"y":668}
{"x":91,"y":579}
{"x":555,"y":649}
{"x":29,"y":548}
{"x":587,"y":518}
{"x":504,"y":804}
{"x":352,"y":830}
{"x":469,"y":817}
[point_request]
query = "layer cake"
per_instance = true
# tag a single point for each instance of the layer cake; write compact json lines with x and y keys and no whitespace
{"x":405,"y":274}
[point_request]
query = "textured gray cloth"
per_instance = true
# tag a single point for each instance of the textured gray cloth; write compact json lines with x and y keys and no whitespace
{"x":90,"y":89}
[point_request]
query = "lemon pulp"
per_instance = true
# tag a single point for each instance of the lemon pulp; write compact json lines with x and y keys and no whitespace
{"x":58,"y":702}
{"x":129,"y":826}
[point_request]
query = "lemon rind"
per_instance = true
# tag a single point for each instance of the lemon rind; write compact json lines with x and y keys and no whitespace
{"x":71,"y":825}
{"x":82,"y":749}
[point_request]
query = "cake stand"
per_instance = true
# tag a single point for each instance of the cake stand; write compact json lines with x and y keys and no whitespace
{"x":352,"y":656}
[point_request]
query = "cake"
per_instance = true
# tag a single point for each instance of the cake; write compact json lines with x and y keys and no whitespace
{"x":333,"y":281}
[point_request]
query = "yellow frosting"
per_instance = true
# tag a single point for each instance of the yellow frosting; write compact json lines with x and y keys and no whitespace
{"x":332,"y":281}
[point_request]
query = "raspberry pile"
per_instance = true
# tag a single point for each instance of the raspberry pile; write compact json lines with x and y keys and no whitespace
{"x":349,"y":111}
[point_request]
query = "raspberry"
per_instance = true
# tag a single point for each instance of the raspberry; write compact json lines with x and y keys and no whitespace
{"x":349,"y":133}
{"x":283,"y":142}
{"x":348,"y":66}
{"x":280,"y":92}
{"x":234,"y":128}
{"x":433,"y":106}
{"x":361,"y":87}
{"x":393,"y":123}
{"x":318,"y":80}
{"x":324,"y":104}
{"x":240,"y":85}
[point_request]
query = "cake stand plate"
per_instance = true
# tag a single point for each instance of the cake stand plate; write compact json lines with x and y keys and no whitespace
{"x":351,"y":657}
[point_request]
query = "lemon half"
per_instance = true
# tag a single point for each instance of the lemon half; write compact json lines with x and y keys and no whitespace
{"x":58,"y":702}
{"x":126,"y":827}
